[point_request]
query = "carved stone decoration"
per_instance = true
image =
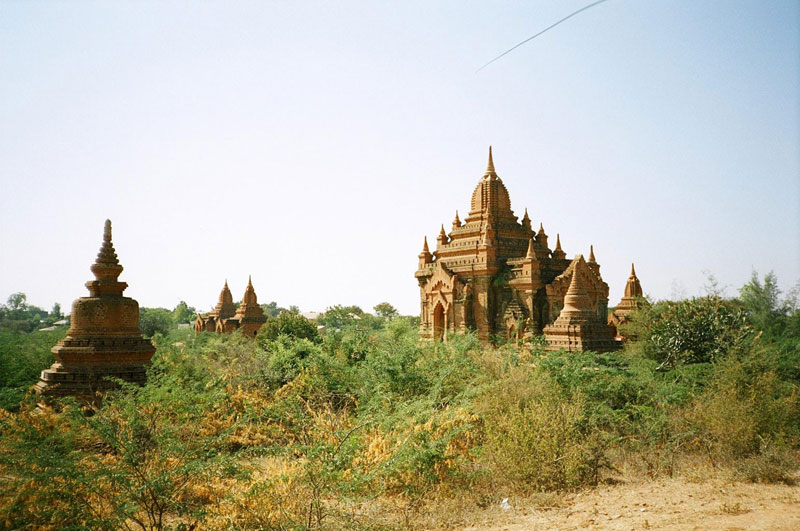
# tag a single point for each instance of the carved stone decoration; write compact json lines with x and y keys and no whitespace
{"x":103,"y":340}
{"x":509,"y":273}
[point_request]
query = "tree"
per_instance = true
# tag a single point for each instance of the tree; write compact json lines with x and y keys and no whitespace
{"x":290,"y":324}
{"x":17,"y":302}
{"x":55,"y":313}
{"x":385,"y":310}
{"x":155,"y":320}
{"x":183,"y":313}
{"x":272,"y":309}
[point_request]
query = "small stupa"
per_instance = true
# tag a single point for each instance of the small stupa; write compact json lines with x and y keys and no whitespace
{"x":103,"y":340}
{"x":578,"y":327}
{"x":632,"y":300}
{"x":224,"y":309}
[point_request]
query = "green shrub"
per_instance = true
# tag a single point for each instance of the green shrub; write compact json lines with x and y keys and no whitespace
{"x":290,"y":324}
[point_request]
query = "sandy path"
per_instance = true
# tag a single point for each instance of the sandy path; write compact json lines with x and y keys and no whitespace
{"x":661,"y":504}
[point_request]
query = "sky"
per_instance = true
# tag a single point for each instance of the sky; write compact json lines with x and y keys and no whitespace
{"x":313,"y":145}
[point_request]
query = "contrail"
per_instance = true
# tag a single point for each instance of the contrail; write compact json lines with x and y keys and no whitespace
{"x":548,"y":28}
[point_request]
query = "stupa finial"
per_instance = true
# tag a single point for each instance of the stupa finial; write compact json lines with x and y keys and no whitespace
{"x":425,"y":246}
{"x":530,"y":254}
{"x":558,"y":242}
{"x":490,"y":164}
{"x":633,"y":271}
{"x":106,"y":267}
{"x":107,"y":255}
{"x":591,"y":255}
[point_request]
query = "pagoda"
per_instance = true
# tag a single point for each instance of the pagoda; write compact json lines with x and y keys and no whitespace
{"x":633,"y":299}
{"x":103,"y":341}
{"x":578,"y":327}
{"x":224,"y":309}
{"x":495,"y":274}
{"x":248,"y":317}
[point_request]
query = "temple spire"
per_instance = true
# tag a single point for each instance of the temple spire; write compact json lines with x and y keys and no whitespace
{"x":576,"y":301}
{"x":490,"y":164}
{"x":107,"y":254}
{"x":541,"y":228}
{"x":425,"y":246}
{"x":526,"y":220}
{"x":633,"y":271}
{"x":457,"y":221}
{"x":530,"y":255}
{"x":591,"y":255}
{"x":558,"y":242}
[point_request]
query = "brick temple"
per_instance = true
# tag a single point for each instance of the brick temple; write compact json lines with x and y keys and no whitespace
{"x":632,"y":300}
{"x":103,"y":340}
{"x":496,"y":275}
{"x":226,"y":317}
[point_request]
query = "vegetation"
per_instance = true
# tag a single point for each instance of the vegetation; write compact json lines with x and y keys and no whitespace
{"x":363,"y":426}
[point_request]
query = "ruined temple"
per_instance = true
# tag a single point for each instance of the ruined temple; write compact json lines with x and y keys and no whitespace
{"x":248,"y":317}
{"x":498,"y":276}
{"x":631,"y":300}
{"x":103,"y":340}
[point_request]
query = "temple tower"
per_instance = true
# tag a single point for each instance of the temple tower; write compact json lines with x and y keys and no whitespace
{"x":632,"y":299}
{"x":226,"y":317}
{"x":249,"y":315}
{"x":224,"y":309}
{"x":103,"y":340}
{"x":578,"y":327}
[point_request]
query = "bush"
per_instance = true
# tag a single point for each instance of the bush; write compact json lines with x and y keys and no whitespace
{"x":290,"y":324}
{"x":692,"y":331}
{"x":533,"y":433}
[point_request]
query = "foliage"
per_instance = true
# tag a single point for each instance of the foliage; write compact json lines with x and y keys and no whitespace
{"x":385,"y":310}
{"x":183,"y":313}
{"x":272,"y":309}
{"x":18,"y":315}
{"x":154,"y":321}
{"x":22,"y":357}
{"x":145,"y":458}
{"x":359,"y":427}
{"x":696,"y":330}
{"x":343,"y":317}
{"x":290,"y":324}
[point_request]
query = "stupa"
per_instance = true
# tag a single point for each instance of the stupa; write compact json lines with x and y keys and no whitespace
{"x":103,"y":340}
{"x":249,"y":316}
{"x":495,"y":274}
{"x":631,"y":300}
{"x":224,"y":309}
{"x":577,"y":327}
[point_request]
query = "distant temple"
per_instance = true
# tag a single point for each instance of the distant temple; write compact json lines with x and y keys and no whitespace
{"x":103,"y":340}
{"x":225,"y":318}
{"x":497,"y":276}
{"x":632,"y":300}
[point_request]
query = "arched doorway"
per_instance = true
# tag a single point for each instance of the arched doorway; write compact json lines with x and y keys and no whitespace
{"x":438,"y":322}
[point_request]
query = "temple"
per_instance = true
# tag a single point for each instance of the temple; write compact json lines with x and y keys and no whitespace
{"x":632,"y":300}
{"x":225,"y":318}
{"x":498,"y":276}
{"x":104,"y":341}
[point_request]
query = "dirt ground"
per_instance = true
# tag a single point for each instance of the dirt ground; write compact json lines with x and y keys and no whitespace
{"x":659,"y":504}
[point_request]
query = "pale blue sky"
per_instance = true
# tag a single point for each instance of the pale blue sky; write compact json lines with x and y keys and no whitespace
{"x":314,"y":144}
